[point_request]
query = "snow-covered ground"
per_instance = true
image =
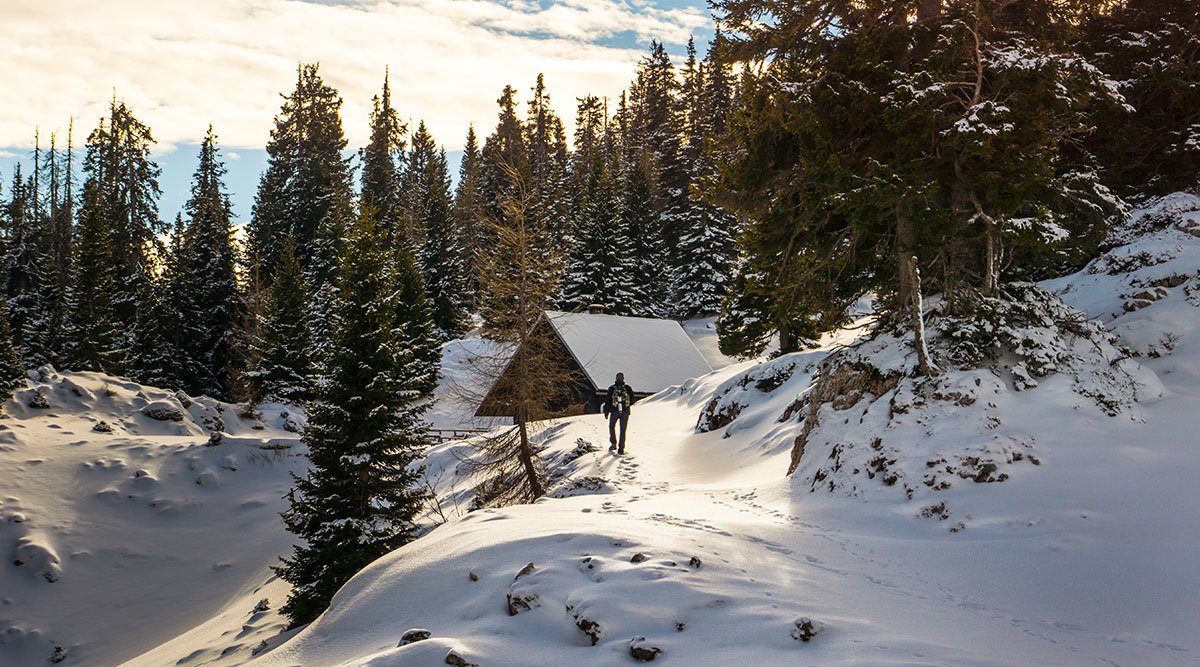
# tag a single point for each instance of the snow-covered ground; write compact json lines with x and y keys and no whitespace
{"x":1039,"y":516}
{"x":117,"y":542}
{"x":1033,"y":508}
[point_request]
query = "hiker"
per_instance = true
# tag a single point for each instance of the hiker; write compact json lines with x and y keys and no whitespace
{"x":616,"y":408}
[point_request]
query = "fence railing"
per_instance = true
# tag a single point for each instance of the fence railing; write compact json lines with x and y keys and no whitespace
{"x":440,"y":435}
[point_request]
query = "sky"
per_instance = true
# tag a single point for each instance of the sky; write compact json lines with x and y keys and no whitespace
{"x":182,"y":65}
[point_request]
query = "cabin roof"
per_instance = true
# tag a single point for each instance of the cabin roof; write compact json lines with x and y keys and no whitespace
{"x":653,"y":354}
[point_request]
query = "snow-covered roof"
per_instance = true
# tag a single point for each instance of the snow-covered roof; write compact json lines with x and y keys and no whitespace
{"x":653,"y":354}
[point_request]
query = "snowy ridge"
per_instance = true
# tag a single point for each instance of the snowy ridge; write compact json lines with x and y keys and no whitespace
{"x":122,"y":528}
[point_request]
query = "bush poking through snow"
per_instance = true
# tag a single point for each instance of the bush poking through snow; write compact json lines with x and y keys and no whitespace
{"x":641,"y":651}
{"x":38,"y":400}
{"x":102,"y":427}
{"x":263,"y":605}
{"x":804,"y":629}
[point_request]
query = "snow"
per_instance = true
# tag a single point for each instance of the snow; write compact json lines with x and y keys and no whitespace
{"x":653,"y":354}
{"x":1085,"y":557}
{"x":698,"y":543}
{"x":130,"y":539}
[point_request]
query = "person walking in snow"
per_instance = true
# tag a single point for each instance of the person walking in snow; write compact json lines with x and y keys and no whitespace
{"x":616,"y":409}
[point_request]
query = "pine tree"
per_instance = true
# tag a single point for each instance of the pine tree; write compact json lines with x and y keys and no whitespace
{"x":92,"y":327}
{"x":893,"y":149}
{"x":306,"y":176}
{"x":12,"y":372}
{"x":207,"y":276}
{"x":282,"y":368}
{"x":505,"y":158}
{"x":442,"y":254}
{"x":380,"y":162}
{"x":707,"y":247}
{"x":469,"y":212}
{"x":599,"y":270}
{"x":358,"y":500}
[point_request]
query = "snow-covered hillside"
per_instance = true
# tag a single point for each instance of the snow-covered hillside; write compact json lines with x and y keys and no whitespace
{"x":1039,"y":509}
{"x":1033,"y":504}
{"x":121,"y":529}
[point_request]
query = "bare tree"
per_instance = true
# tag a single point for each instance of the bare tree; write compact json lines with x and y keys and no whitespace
{"x":528,"y":373}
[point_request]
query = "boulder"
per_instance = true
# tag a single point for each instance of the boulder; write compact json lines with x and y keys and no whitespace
{"x":641,"y":651}
{"x":413,"y":636}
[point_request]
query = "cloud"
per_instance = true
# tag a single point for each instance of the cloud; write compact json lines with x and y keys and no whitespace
{"x":233,"y":155}
{"x":183,"y":65}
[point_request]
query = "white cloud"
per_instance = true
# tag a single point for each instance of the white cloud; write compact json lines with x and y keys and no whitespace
{"x":184,"y":65}
{"x":233,"y":155}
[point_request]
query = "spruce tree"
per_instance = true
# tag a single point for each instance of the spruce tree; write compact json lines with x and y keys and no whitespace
{"x":707,"y":246}
{"x":358,"y":500}
{"x":207,"y":273}
{"x":469,"y":212}
{"x":307,"y":175}
{"x":443,"y":254}
{"x":381,"y":159}
{"x":599,"y":269}
{"x":92,"y":327}
{"x":12,"y":371}
{"x":23,"y":267}
{"x":415,"y":317}
{"x":1153,"y":48}
{"x":282,"y":368}
{"x":922,"y":145}
{"x":442,"y":257}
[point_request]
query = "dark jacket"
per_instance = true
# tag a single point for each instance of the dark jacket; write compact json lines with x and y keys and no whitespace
{"x":620,"y":394}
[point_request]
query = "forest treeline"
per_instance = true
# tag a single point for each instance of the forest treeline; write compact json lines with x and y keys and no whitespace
{"x":96,"y":280}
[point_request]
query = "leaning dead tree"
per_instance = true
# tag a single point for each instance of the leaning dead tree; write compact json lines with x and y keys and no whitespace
{"x":518,"y":279}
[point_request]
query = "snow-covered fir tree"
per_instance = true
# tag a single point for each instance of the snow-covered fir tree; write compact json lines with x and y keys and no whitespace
{"x":469,"y":211}
{"x":281,"y":367}
{"x":428,"y":199}
{"x":12,"y":371}
{"x":306,"y":175}
{"x":381,"y":159}
{"x":206,"y":280}
{"x":599,"y":267}
{"x":415,"y":318}
{"x":359,"y":498}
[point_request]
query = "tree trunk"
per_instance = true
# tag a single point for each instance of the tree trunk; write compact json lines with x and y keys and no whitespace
{"x":526,"y":455}
{"x":910,"y":290}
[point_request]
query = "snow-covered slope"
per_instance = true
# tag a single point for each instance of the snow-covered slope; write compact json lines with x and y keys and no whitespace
{"x":1034,"y":506}
{"x":121,"y":529}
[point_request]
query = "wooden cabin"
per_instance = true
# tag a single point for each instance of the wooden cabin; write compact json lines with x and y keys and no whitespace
{"x":653,"y":354}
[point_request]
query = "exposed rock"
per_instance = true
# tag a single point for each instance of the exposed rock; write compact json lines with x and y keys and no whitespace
{"x":413,"y":636}
{"x":586,"y":625}
{"x":453,"y":658}
{"x":163,"y":411}
{"x":695,"y":562}
{"x":102,"y":427}
{"x":263,"y":605}
{"x":472,"y":576}
{"x":518,"y":600}
{"x":639,"y":558}
{"x":183,"y":398}
{"x":804,"y":629}
{"x":641,"y":651}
